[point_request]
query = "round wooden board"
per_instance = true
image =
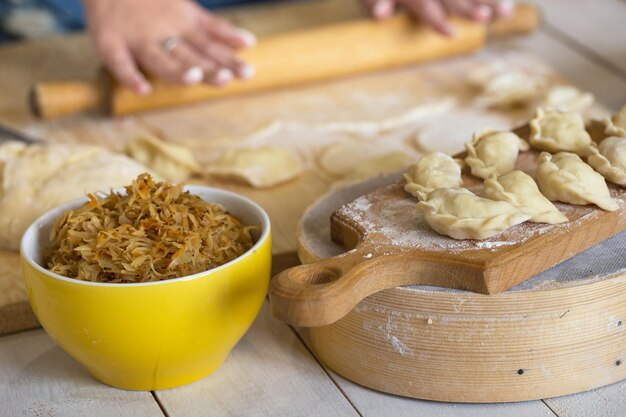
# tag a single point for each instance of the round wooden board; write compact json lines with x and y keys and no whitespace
{"x":561,"y":332}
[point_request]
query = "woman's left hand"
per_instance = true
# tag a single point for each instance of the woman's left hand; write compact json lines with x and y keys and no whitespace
{"x":435,"y":12}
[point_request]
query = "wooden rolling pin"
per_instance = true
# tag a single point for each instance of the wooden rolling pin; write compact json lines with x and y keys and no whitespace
{"x":288,"y":59}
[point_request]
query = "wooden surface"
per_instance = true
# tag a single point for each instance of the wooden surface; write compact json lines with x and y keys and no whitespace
{"x":368,"y":98}
{"x":561,"y":329}
{"x":71,"y":58}
{"x":391,"y":245}
{"x":267,"y":344}
{"x":39,"y":379}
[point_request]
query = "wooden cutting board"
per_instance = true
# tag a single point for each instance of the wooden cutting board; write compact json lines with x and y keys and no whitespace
{"x":558,"y":333}
{"x":392,"y":245}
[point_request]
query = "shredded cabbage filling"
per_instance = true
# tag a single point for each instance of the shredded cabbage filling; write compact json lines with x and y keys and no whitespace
{"x":155,"y":231}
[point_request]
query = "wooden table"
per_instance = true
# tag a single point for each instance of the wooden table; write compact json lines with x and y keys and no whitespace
{"x":271,"y":371}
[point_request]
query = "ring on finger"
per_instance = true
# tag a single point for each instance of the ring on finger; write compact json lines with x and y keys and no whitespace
{"x":170,"y":43}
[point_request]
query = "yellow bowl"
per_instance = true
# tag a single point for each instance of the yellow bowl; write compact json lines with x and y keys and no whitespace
{"x":154,"y":335}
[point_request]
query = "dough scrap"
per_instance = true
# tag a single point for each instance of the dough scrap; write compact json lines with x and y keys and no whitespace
{"x":342,"y":159}
{"x":565,"y":177}
{"x":511,"y":88}
{"x":521,"y":191}
{"x":36,"y":178}
{"x":567,"y":98}
{"x":433,"y":171}
{"x":447,"y":133}
{"x":493,"y":152}
{"x":555,"y":131}
{"x":259,"y":167}
{"x":460,"y":214}
{"x":609,"y":159}
{"x":172,"y":162}
{"x":616,"y":124}
{"x":382,"y":164}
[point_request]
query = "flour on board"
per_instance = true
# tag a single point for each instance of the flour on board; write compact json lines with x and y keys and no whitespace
{"x":392,"y":215}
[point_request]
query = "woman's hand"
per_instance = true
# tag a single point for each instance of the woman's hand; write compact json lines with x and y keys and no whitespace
{"x":435,"y":12}
{"x":175,"y":40}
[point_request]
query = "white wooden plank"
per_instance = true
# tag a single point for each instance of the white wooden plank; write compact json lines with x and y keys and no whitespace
{"x":376,"y":404}
{"x":608,"y":88}
{"x":609,"y":401}
{"x":269,"y":373}
{"x":372,"y":403}
{"x":39,"y":379}
{"x":597,"y":26}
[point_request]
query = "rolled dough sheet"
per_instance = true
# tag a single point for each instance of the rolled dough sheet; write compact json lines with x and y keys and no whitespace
{"x":308,"y":140}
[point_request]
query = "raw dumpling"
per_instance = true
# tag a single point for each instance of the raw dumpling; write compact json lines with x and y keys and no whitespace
{"x":36,"y":178}
{"x":616,"y":125}
{"x":567,"y":98}
{"x":493,"y":152}
{"x":565,"y":177}
{"x":259,"y":167}
{"x":610,"y":159}
{"x":460,"y":214}
{"x":433,"y":171}
{"x":172,"y":162}
{"x":383,"y":164}
{"x":556,"y":131}
{"x":520,"y":190}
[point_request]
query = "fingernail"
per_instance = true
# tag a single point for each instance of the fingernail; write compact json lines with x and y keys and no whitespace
{"x":448,"y":30}
{"x":223,"y":76}
{"x":382,"y":9}
{"x":506,"y":7}
{"x":246,"y":36}
{"x":483,"y":12}
{"x":193,"y":75}
{"x":246,"y":71}
{"x":144,"y":89}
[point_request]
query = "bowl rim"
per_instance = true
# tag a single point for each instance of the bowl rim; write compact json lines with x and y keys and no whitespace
{"x":52,"y":214}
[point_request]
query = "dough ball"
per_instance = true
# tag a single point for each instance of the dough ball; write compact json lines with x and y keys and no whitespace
{"x":258,"y":167}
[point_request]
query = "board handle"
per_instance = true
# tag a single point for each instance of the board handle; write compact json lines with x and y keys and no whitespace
{"x":323,"y":292}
